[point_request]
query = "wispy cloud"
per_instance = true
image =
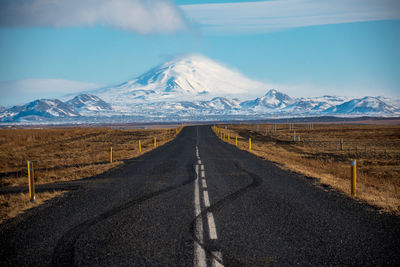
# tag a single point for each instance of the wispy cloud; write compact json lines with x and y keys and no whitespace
{"x":142,"y":16}
{"x":21,"y":91}
{"x":252,"y":17}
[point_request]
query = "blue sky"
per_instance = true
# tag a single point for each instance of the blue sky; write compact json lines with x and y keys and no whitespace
{"x":302,"y":47}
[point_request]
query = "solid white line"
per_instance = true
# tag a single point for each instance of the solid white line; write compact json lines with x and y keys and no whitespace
{"x":206,"y":199}
{"x":202,"y":167}
{"x":204,"y":184}
{"x":217,"y":255}
{"x":199,"y":253}
{"x":203,"y":174}
{"x":199,"y":162}
{"x":211,"y":226}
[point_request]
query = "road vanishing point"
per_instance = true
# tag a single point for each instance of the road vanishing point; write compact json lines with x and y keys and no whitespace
{"x":197,"y":201}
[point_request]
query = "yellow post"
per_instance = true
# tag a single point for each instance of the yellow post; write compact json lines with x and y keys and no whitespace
{"x":220,"y":134}
{"x":140,"y":146}
{"x":353,"y":178}
{"x":229,"y":138}
{"x":236,"y":141}
{"x":249,"y":144}
{"x":176,"y":130}
{"x":155,"y":142}
{"x":31,"y":181}
{"x":111,"y":155}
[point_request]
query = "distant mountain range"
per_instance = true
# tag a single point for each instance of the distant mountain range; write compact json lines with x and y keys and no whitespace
{"x":191,"y":88}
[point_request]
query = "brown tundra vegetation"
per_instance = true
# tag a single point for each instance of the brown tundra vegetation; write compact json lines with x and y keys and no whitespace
{"x":64,"y":155}
{"x":325,"y":152}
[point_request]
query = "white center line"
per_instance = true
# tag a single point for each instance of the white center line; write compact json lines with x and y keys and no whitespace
{"x":200,"y":255}
{"x":204,"y":184}
{"x":211,"y":226}
{"x":200,"y":258}
{"x":206,"y":199}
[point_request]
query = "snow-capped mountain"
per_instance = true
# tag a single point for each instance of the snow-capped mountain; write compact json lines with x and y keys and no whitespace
{"x":88,"y":103}
{"x":364,"y":105}
{"x":41,"y":109}
{"x":314,"y":104}
{"x":193,"y":88}
{"x":273,"y":99}
{"x":223,"y":103}
{"x":191,"y":78}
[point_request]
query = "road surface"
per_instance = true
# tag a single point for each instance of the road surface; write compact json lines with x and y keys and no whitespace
{"x":197,"y":201}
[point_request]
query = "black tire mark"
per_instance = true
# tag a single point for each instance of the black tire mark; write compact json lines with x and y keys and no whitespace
{"x":228,"y":259}
{"x":64,"y":252}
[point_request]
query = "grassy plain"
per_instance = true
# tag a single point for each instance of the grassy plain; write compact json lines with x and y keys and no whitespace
{"x":64,"y":155}
{"x":316,"y":151}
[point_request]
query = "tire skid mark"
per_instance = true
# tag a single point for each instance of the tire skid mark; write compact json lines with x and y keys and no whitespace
{"x":64,"y":252}
{"x":229,"y":260}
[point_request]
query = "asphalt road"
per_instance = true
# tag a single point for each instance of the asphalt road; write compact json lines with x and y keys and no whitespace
{"x":198,"y":201}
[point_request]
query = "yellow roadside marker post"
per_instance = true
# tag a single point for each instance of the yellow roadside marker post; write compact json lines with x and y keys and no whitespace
{"x":111,"y":155}
{"x":249,"y":144}
{"x":155,"y":142}
{"x":140,"y":146}
{"x":236,"y":141}
{"x":353,"y":178}
{"x":229,"y":138}
{"x":31,"y":182}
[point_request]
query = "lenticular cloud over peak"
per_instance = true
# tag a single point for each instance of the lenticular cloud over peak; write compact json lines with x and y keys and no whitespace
{"x":142,"y":16}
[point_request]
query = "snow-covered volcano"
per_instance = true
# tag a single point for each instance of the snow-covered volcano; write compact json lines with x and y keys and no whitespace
{"x":190,"y":78}
{"x":193,"y":88}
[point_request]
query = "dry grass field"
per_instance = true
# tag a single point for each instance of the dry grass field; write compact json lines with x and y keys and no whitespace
{"x":315,"y":150}
{"x":64,"y":155}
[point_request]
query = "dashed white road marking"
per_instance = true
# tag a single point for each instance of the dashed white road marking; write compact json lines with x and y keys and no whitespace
{"x":204,"y":183}
{"x":206,"y":199}
{"x":200,"y":258}
{"x":211,"y":226}
{"x":197,"y":208}
{"x":200,"y":255}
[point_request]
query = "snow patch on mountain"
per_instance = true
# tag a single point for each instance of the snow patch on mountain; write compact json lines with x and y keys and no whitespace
{"x":86,"y":104}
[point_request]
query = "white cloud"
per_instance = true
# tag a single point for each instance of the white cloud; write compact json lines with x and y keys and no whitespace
{"x":21,"y":91}
{"x":142,"y":16}
{"x":253,"y":17}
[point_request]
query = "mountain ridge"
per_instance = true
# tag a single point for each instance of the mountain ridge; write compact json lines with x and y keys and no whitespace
{"x":191,"y":87}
